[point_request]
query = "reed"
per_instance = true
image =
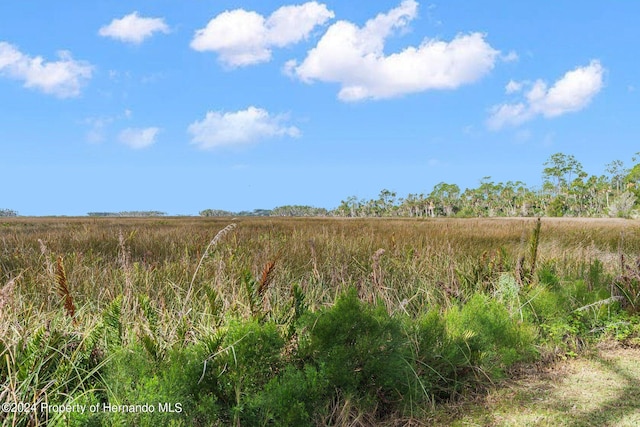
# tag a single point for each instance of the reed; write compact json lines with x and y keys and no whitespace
{"x":6,"y":294}
{"x":63,"y":290}
{"x":266,"y":277}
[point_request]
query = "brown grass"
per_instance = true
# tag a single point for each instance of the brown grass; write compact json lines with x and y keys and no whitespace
{"x":63,"y":290}
{"x":266,"y":277}
{"x":425,"y":261}
{"x":6,"y":294}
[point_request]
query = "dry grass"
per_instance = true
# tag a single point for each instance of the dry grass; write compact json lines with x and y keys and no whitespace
{"x":409,"y":265}
{"x":63,"y":290}
{"x":171,"y":258}
{"x":600,"y":389}
{"x":175,"y":279}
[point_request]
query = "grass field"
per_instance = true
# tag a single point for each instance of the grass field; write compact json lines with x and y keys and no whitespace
{"x":315,"y":321}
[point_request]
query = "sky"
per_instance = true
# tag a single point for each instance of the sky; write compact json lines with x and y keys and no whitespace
{"x":181,"y":106}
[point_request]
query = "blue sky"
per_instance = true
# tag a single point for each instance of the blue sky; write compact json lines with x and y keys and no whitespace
{"x":180,"y":106}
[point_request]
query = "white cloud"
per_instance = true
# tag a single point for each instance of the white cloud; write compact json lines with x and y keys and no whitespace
{"x":133,"y":28}
{"x":573,"y":92}
{"x":512,"y":56}
{"x":62,"y":78}
{"x":137,"y":138}
{"x":513,"y":114}
{"x":219,"y":129}
{"x":244,"y":38}
{"x":99,"y":126}
{"x":354,"y":57}
{"x":513,"y":87}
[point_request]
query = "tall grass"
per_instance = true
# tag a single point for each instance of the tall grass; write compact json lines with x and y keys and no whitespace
{"x":106,"y":297}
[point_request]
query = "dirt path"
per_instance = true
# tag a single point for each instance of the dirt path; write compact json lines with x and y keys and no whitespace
{"x":602,"y":389}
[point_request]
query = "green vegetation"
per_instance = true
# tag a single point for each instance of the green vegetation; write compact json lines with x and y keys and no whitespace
{"x":297,"y":321}
{"x":567,"y":190}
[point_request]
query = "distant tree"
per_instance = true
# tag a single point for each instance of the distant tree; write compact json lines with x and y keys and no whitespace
{"x":414,"y":205}
{"x":8,"y":212}
{"x":558,"y":206}
{"x":445,"y":197}
{"x":632,"y":179}
{"x":298,"y":210}
{"x":141,"y":213}
{"x":386,"y":203}
{"x":351,"y":207}
{"x":216,"y":212}
{"x":128,"y":213}
{"x":577,"y":195}
{"x":622,"y":205}
{"x":617,"y":173}
{"x":560,"y":168}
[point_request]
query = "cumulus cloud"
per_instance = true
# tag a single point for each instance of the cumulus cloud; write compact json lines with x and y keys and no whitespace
{"x":219,"y":129}
{"x":133,"y":29}
{"x":573,"y":92}
{"x":354,"y":57}
{"x":138,"y":138}
{"x":244,"y":38}
{"x":63,"y":78}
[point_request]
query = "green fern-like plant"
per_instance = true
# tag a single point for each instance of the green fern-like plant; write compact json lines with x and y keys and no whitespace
{"x":113,"y":322}
{"x":361,"y":351}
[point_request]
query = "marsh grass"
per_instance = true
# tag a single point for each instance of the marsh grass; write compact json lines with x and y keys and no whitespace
{"x":163,"y":290}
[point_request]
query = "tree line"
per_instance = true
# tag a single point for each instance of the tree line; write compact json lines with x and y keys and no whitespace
{"x":567,"y":190}
{"x":127,"y":213}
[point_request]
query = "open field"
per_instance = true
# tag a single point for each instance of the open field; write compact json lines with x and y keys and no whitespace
{"x":349,"y":321}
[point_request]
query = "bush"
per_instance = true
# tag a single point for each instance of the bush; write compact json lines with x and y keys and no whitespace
{"x":251,"y":356}
{"x":136,"y":378}
{"x":571,"y":312}
{"x":441,"y":361}
{"x":294,"y":397}
{"x":490,"y":339}
{"x":360,"y":350}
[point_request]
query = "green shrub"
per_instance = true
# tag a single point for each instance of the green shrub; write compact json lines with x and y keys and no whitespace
{"x":545,"y":305}
{"x":441,"y":362}
{"x":294,"y":397}
{"x":250,"y":357}
{"x":360,"y":350}
{"x":571,"y":312}
{"x":135,"y":377}
{"x":489,"y":337}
